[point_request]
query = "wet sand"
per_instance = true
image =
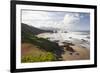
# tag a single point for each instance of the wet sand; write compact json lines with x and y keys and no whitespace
{"x":80,"y":53}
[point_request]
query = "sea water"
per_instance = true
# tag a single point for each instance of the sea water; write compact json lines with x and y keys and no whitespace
{"x":77,"y":37}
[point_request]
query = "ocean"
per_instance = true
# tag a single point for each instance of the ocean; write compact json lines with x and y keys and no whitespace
{"x":77,"y":37}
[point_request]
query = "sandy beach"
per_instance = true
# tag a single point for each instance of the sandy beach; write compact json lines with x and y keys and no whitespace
{"x":80,"y":49}
{"x":79,"y":54}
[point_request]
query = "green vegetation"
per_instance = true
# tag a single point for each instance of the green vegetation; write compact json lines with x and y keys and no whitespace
{"x":42,"y":43}
{"x":49,"y":49}
{"x":46,"y":56}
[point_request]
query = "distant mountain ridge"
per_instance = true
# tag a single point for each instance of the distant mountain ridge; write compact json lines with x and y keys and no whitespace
{"x":31,"y":30}
{"x":50,"y":28}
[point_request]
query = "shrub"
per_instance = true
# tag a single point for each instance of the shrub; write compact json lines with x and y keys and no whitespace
{"x":46,"y":56}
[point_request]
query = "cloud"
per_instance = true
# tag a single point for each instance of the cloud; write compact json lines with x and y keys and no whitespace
{"x":62,"y":20}
{"x":34,"y":15}
{"x":35,"y":18}
{"x":71,"y":20}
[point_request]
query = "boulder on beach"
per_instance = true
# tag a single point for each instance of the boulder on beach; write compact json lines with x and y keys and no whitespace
{"x":68,"y":48}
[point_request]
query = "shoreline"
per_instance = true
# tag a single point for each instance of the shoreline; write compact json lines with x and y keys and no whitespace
{"x":79,"y":54}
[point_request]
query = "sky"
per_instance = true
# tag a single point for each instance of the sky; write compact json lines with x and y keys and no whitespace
{"x":56,"y":19}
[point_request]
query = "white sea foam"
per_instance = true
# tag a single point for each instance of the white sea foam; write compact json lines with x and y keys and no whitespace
{"x":81,"y":38}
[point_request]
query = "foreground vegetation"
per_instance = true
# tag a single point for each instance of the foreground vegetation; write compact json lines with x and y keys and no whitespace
{"x":47,"y":49}
{"x":41,"y":57}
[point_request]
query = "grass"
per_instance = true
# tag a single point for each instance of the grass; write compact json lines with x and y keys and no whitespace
{"x":41,"y":43}
{"x":31,"y":53}
{"x":40,"y":57}
{"x":45,"y":52}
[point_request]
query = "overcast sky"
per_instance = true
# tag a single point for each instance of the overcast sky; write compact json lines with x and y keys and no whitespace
{"x":63,"y":20}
